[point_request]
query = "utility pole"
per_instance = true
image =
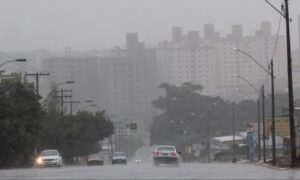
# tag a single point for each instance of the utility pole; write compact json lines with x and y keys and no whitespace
{"x":120,"y":136}
{"x":37,"y":76}
{"x":207,"y":140}
{"x":117,"y":130}
{"x":62,"y":96}
{"x":290,"y":86}
{"x":233,"y":137}
{"x":258,"y":131}
{"x":285,"y":14}
{"x":110,"y":147}
{"x":71,"y":105}
{"x":273,"y":116}
{"x":264,"y":122}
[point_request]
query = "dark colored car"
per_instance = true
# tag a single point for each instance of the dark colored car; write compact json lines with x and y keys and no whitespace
{"x":119,"y":158}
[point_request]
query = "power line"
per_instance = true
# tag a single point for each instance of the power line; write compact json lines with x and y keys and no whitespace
{"x":277,"y":37}
{"x":62,"y":96}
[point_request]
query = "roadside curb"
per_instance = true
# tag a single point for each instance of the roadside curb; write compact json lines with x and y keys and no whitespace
{"x":271,"y":167}
{"x":261,"y":164}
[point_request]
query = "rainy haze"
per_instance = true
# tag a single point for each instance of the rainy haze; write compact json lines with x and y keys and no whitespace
{"x":149,"y":89}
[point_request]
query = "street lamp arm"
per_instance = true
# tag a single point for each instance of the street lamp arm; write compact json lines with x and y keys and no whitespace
{"x":275,"y":8}
{"x":6,"y":62}
{"x":247,"y":81}
{"x":13,"y":60}
{"x":67,"y":82}
{"x":252,"y":58}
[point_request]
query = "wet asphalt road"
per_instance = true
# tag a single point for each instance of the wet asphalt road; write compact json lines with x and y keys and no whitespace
{"x":148,"y":171}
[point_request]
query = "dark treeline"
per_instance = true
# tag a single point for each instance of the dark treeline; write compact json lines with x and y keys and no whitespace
{"x":187,"y":114}
{"x":26,"y":125}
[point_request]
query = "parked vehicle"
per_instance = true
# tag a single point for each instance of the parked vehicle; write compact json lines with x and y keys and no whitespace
{"x":165,"y":154}
{"x":119,"y":158}
{"x":95,"y":159}
{"x":49,"y":158}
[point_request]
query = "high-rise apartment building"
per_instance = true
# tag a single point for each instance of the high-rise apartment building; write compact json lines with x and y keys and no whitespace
{"x":212,"y":62}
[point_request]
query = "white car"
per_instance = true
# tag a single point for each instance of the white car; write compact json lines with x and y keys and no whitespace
{"x":49,"y":158}
{"x":165,"y":154}
{"x":95,"y":159}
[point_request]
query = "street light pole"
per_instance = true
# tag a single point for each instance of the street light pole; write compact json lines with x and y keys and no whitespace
{"x":273,"y":116}
{"x":264,"y":123}
{"x":258,"y":120}
{"x":233,"y":137}
{"x":270,"y":73}
{"x":258,"y":130}
{"x":207,"y":140}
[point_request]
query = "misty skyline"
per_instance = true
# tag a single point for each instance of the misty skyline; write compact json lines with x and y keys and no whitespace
{"x":102,"y":24}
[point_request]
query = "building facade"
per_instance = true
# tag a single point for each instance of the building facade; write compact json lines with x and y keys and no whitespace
{"x":212,"y":62}
{"x":128,"y":81}
{"x":84,"y":71}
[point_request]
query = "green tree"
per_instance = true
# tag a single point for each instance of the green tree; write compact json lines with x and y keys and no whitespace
{"x":76,"y":135}
{"x":187,"y":114}
{"x":20,"y":112}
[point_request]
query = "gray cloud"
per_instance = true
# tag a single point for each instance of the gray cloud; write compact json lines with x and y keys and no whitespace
{"x":96,"y":24}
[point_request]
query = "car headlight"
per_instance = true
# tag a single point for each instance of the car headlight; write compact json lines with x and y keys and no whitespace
{"x":39,"y":160}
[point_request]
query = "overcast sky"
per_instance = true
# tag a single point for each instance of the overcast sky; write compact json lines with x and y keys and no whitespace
{"x":102,"y":24}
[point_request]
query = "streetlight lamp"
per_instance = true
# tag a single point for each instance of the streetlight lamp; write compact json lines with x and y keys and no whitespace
{"x":258,"y":117}
{"x":77,"y":102}
{"x":10,"y":61}
{"x":270,"y":73}
{"x":14,"y":60}
{"x":66,"y":82}
{"x":91,"y":105}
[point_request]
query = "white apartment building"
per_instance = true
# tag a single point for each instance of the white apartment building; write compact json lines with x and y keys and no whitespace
{"x":212,"y":62}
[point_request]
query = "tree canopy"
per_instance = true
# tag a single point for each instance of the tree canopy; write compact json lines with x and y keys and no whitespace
{"x":26,"y":125}
{"x":188,"y":113}
{"x":20,"y":113}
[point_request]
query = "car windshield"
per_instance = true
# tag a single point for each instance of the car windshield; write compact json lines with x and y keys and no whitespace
{"x":119,"y":154}
{"x":49,"y":153}
{"x":165,"y":148}
{"x":150,"y":89}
